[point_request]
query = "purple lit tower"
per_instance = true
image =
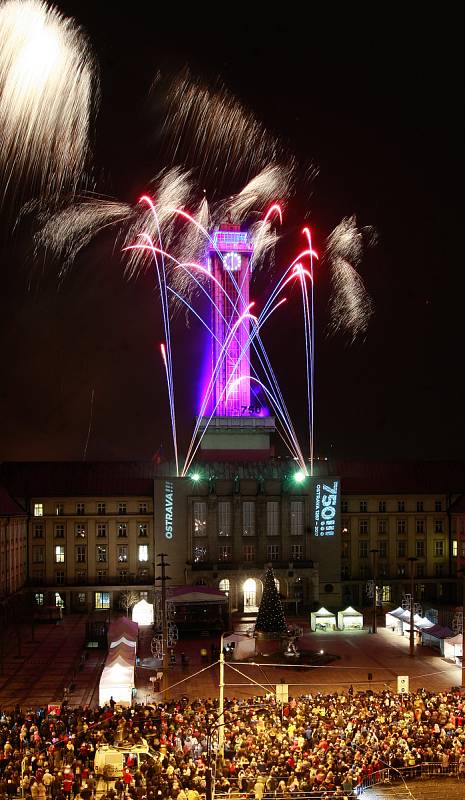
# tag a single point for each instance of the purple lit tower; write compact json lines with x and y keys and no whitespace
{"x":241,"y":425}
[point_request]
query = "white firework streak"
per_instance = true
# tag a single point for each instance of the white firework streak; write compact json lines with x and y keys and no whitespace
{"x":274,"y":181}
{"x":48,"y":90}
{"x":65,"y":233}
{"x":350,"y":305}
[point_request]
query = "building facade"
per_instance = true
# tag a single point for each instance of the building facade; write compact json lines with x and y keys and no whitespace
{"x":13,"y":546}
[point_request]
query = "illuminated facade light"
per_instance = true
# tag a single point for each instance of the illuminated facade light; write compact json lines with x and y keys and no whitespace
{"x":299,"y":477}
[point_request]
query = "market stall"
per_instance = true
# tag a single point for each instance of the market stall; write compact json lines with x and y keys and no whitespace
{"x":349,"y":619}
{"x":322,"y":620}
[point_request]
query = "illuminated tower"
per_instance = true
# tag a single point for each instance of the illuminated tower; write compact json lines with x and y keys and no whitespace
{"x":241,"y":424}
{"x":231,"y":270}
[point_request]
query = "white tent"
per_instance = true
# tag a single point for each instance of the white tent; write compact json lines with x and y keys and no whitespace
{"x":393,"y":619}
{"x":419,"y":623}
{"x":123,"y":640}
{"x":436,"y":636}
{"x":349,"y":619}
{"x":117,"y":679}
{"x":322,"y":620}
{"x":453,"y":647}
{"x":142,"y":613}
{"x":244,"y":645}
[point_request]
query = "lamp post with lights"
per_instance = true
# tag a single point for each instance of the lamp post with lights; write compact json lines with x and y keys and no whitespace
{"x":412,"y":560}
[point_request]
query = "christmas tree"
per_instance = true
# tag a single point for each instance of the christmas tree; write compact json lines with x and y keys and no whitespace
{"x":270,"y":617}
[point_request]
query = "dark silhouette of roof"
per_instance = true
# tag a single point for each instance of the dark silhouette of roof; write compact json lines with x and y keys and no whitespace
{"x":8,"y":506}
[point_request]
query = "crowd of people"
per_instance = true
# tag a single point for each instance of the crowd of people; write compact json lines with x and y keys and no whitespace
{"x":322,"y":744}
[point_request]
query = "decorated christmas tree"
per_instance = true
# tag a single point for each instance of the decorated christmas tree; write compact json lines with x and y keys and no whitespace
{"x":270,"y":617}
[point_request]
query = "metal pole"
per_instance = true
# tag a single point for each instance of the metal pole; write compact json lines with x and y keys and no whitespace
{"x":462,"y":573}
{"x":374,"y":551}
{"x":221,"y":703}
{"x":164,"y":622}
{"x":412,"y":560}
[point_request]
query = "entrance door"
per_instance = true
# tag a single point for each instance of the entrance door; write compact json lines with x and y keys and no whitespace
{"x":250,"y":596}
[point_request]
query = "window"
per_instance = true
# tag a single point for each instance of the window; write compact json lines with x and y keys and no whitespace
{"x":38,"y":510}
{"x":272,"y":518}
{"x":454,"y":548}
{"x":122,"y":530}
{"x":363,"y":571}
{"x":101,"y":575}
{"x":401,"y":549}
{"x":101,"y":508}
{"x":344,"y":506}
{"x":80,"y":508}
{"x":122,"y":553}
{"x":272,"y":552}
{"x":439,"y":570}
{"x":102,"y":553}
{"x":59,"y":509}
{"x":363,"y":506}
{"x":345,"y":550}
{"x":386,"y":594}
{"x":143,"y":508}
{"x":345,"y":523}
{"x":59,"y":531}
{"x":39,"y":599}
{"x":122,"y":508}
{"x":420,"y":548}
{"x":401,"y":571}
{"x":199,"y":553}
{"x":59,"y":554}
{"x":363,"y":549}
{"x":438,"y":526}
{"x":101,"y":530}
{"x":142,"y":529}
{"x":60,"y":578}
{"x":363,"y":526}
{"x":420,"y":505}
{"x":123,"y":575}
{"x":420,"y":570}
{"x":438,"y":505}
{"x":81,"y":598}
{"x":81,"y":576}
{"x":223,"y":585}
{"x":438,"y":547}
{"x":102,"y":600}
{"x":199,"y":511}
{"x":345,"y":572}
{"x":38,"y":532}
{"x":224,"y":518}
{"x":297,"y":552}
{"x":383,"y":526}
{"x":382,"y":547}
{"x":297,"y":517}
{"x":143,"y":552}
{"x":401,"y":505}
{"x":224,"y":552}
{"x":248,"y":518}
{"x":38,"y":555}
{"x":81,"y":554}
{"x":80,"y":531}
{"x":401,"y":526}
{"x":420,"y":526}
{"x":248,"y":552}
{"x":382,"y":506}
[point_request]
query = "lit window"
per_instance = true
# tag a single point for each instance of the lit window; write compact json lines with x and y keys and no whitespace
{"x":454,"y":548}
{"x":272,"y":518}
{"x":297,"y":517}
{"x":297,"y":552}
{"x":223,"y":586}
{"x":386,"y":594}
{"x":59,"y":554}
{"x":102,"y":600}
{"x":39,"y":599}
{"x":224,"y":518}
{"x":80,"y":508}
{"x":224,"y":552}
{"x":59,"y":509}
{"x":101,"y":530}
{"x":82,"y":598}
{"x":199,"y":510}
{"x":248,"y":518}
{"x":59,"y":531}
{"x":199,"y":553}
{"x":80,"y":531}
{"x":122,"y":508}
{"x":122,"y":553}
{"x":143,"y":552}
{"x":38,"y":509}
{"x":142,"y":529}
{"x":102,"y":553}
{"x":143,"y":508}
{"x":122,"y":530}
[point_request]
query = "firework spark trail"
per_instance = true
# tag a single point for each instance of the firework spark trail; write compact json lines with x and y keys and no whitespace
{"x":48,"y":92}
{"x":274,"y":180}
{"x":350,"y":305}
{"x":211,"y":130}
{"x":65,"y":233}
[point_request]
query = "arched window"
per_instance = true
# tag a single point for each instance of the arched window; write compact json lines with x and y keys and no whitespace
{"x":250,"y":595}
{"x":223,"y":586}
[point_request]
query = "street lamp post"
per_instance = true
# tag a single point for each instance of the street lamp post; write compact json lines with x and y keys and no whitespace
{"x":221,"y":702}
{"x":374,"y":551}
{"x":461,"y":574}
{"x":164,"y":622}
{"x":412,"y":560}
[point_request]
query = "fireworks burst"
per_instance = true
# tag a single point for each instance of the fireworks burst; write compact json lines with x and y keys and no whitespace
{"x":48,"y":87}
{"x":350,"y":305}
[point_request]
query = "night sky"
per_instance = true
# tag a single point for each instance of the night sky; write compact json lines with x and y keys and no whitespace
{"x":376,"y":105}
